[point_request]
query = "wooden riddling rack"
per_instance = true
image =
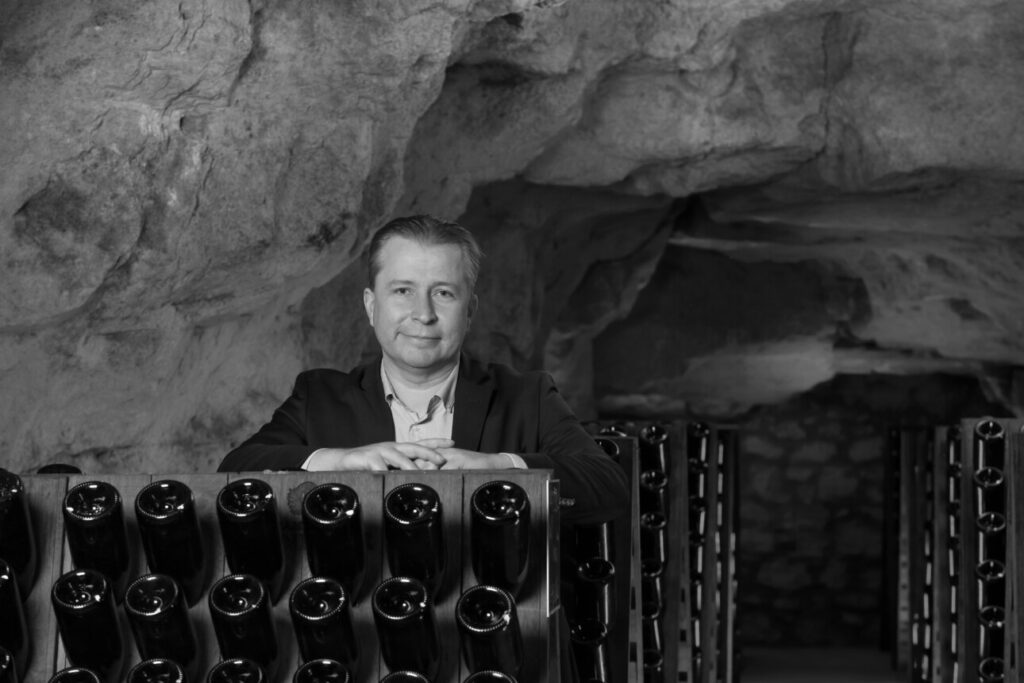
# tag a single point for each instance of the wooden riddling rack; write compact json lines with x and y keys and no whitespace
{"x":697,"y":615}
{"x":624,"y":634}
{"x":538,"y":604}
{"x":938,"y":631}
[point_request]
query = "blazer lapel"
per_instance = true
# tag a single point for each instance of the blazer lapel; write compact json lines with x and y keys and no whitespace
{"x":473,"y":395}
{"x":381,"y":427}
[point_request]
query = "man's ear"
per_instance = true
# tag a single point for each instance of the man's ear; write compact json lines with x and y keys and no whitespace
{"x":472,"y":307}
{"x":369,"y":301}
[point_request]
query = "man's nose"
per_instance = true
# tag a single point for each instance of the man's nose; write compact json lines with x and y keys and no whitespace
{"x":423,"y":310}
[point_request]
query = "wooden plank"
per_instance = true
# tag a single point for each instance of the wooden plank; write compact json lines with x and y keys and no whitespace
{"x":1015,"y":554}
{"x":539,"y":614}
{"x":942,"y":659}
{"x":533,"y":602}
{"x":45,"y":494}
{"x":369,"y":487}
{"x":449,"y":490}
{"x":127,"y":486}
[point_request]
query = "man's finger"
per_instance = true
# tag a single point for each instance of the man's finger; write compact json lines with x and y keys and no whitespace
{"x":435,"y":443}
{"x":415,"y":450}
{"x":396,"y":458}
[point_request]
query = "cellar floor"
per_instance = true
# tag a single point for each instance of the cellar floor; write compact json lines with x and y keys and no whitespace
{"x":832,"y":665}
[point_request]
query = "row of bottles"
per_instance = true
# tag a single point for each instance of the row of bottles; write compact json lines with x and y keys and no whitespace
{"x":951,"y":549}
{"x":157,"y":604}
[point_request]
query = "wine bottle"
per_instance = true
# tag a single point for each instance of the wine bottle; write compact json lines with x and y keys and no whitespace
{"x":414,"y":535}
{"x":171,"y":538}
{"x":158,"y":615}
{"x":332,"y":521}
{"x":500,"y":534}
{"x":75,"y":674}
{"x":654,"y":666}
{"x":590,"y":650}
{"x":490,"y":677}
{"x":236,"y":670}
{"x":157,"y":671}
{"x":249,"y":527}
{"x":240,"y":610}
{"x":84,"y":607}
{"x":94,"y":524}
{"x":14,"y":635}
{"x":322,"y":621}
{"x":653,"y":491}
{"x":8,"y":669}
{"x":593,"y":540}
{"x":651,"y":601}
{"x":322,"y":671}
{"x":650,"y":631}
{"x":610,"y":448}
{"x":17,"y":539}
{"x":405,"y":677}
{"x":653,"y":448}
{"x":992,"y":670}
{"x":489,"y":626}
{"x":595,"y":591}
{"x":652,"y":537}
{"x":404,"y":617}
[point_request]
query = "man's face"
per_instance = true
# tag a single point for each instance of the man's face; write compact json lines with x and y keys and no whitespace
{"x":420,"y":306}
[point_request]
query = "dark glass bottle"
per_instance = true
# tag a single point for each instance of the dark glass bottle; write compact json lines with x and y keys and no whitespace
{"x":610,"y":448}
{"x":17,"y":539}
{"x":651,"y":600}
{"x":654,"y":666}
{"x":84,"y":607}
{"x":653,"y":448}
{"x":652,"y":537}
{"x":500,"y":534}
{"x":405,"y":677}
{"x":653,"y":491}
{"x":171,"y":539}
{"x":58,"y":468}
{"x":94,"y":524}
{"x":249,"y":527}
{"x":595,"y":591}
{"x":75,"y":674}
{"x":489,"y":626}
{"x":333,"y":526}
{"x":593,"y":540}
{"x":157,"y":671}
{"x":590,"y":650}
{"x":14,"y":635}
{"x":322,"y":671}
{"x":240,"y":610}
{"x":414,"y":534}
{"x":322,"y":621}
{"x":404,"y":616}
{"x":236,"y":670}
{"x":490,"y":677}
{"x":8,"y":670}
{"x":158,"y":615}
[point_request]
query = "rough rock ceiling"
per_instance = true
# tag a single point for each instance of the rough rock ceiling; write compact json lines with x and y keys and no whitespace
{"x":185,"y":189}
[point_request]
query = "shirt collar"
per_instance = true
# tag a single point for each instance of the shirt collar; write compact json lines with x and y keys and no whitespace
{"x":445,"y":391}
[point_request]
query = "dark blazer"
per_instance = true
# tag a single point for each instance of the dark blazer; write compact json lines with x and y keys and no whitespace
{"x":497,"y":409}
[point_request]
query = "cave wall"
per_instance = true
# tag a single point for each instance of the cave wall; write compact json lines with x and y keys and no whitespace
{"x":812,"y":487}
{"x":186,"y":189}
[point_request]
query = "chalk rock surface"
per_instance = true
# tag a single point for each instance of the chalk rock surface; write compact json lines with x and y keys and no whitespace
{"x":815,"y":187}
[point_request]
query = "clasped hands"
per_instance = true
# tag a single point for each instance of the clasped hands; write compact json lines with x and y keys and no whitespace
{"x":426,"y":454}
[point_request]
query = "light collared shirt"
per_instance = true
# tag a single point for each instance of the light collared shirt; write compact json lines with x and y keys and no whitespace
{"x":433,"y":422}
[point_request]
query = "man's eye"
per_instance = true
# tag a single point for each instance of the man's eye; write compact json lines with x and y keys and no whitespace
{"x":445,"y":294}
{"x":402,"y":290}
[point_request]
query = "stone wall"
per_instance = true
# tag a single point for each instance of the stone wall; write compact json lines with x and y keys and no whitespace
{"x":811,"y":507}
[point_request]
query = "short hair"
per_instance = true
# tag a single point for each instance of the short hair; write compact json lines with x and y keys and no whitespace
{"x":430,"y":231}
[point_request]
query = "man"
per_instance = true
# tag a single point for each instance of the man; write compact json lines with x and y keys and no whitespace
{"x":423,"y":404}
